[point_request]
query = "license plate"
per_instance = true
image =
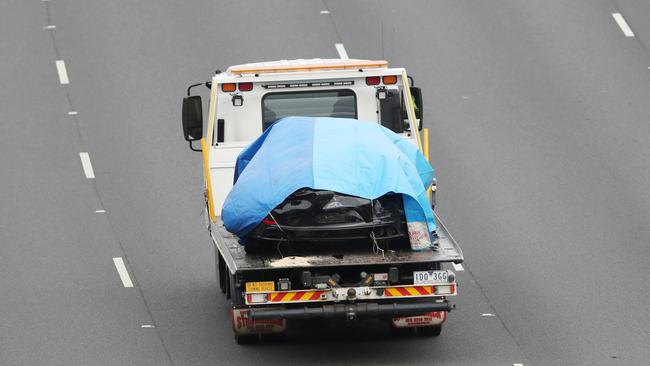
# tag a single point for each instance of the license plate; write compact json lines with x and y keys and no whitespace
{"x":429,"y":277}
{"x":263,"y":286}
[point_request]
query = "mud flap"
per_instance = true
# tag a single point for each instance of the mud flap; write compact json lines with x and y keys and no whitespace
{"x":242,"y":324}
{"x":424,"y":320}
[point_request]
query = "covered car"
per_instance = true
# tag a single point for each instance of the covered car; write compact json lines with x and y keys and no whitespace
{"x":309,"y":215}
{"x":346,"y":157}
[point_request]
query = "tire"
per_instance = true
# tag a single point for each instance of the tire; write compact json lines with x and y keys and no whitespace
{"x":401,"y":332}
{"x":432,"y":331}
{"x":247,"y":339}
{"x":274,"y":337}
{"x":222,"y":273}
{"x":228,"y":284}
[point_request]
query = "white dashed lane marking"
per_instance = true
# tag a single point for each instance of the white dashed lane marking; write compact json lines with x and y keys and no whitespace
{"x":88,"y":167}
{"x":62,"y":71}
{"x":623,"y":24}
{"x":340,"y":48}
{"x":121,"y":270}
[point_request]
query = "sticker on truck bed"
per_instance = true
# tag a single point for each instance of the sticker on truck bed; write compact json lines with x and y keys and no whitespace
{"x":424,"y":320}
{"x":242,"y":324}
{"x":263,"y":286}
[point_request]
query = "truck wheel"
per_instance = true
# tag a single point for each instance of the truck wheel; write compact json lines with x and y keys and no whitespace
{"x":222,"y":273}
{"x":432,"y":331}
{"x":401,"y":332}
{"x":274,"y":337}
{"x":227,"y":285}
{"x":247,"y":339}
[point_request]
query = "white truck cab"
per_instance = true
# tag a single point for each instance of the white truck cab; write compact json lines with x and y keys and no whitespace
{"x":246,"y":99}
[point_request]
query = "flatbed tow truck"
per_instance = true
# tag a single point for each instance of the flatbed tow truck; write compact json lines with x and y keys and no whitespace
{"x":408,"y":289}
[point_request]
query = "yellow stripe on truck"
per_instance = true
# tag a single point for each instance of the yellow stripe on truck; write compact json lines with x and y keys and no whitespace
{"x":412,"y":291}
{"x":208,"y":180}
{"x":410,"y":110}
{"x":392,"y":292}
{"x":425,"y":146}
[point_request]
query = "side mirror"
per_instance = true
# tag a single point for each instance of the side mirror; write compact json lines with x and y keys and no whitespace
{"x":416,"y":93}
{"x":192,"y":118}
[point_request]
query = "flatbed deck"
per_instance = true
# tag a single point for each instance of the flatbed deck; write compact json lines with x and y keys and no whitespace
{"x":238,"y":260}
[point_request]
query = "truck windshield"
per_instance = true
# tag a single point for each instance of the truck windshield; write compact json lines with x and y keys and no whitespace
{"x":330,"y":103}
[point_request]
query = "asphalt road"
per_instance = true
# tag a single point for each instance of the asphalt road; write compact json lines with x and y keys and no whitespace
{"x":540,"y":131}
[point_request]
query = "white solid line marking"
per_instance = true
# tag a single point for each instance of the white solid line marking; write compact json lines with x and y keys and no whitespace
{"x":88,"y":167}
{"x":72,"y":113}
{"x":623,"y":24}
{"x":340,"y":48}
{"x":121,"y":270}
{"x":50,"y":27}
{"x":458,"y":267}
{"x":517,"y":364}
{"x":487,"y":314}
{"x":63,"y":73}
{"x":100,"y":211}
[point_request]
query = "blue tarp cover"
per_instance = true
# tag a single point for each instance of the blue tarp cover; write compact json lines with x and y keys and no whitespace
{"x":362,"y":159}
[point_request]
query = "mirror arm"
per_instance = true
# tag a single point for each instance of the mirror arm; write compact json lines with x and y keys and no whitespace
{"x":208,"y":84}
{"x":192,"y":147}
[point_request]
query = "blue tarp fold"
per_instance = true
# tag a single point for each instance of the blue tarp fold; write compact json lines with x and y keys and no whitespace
{"x":347,"y":156}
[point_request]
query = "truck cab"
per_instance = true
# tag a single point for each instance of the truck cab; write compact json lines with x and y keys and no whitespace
{"x":246,"y":99}
{"x":410,"y":289}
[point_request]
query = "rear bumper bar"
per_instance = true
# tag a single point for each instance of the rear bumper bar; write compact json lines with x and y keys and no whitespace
{"x":352,"y":311}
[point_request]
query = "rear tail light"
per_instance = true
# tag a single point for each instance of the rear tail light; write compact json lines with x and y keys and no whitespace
{"x":373,"y":80}
{"x":445,"y":289}
{"x":228,"y":87}
{"x":256,"y":298}
{"x":245,"y":86}
{"x":390,"y":79}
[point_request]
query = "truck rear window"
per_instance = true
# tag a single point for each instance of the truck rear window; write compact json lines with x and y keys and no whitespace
{"x":329,"y":103}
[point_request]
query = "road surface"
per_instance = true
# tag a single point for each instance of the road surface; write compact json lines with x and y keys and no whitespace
{"x":540,"y":121}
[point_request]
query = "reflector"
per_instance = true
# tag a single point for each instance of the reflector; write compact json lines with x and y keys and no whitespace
{"x":245,"y":86}
{"x":229,"y":87}
{"x":390,"y":79}
{"x":373,"y":80}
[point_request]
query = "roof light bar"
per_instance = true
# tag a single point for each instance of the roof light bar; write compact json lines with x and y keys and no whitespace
{"x":307,"y":85}
{"x":307,"y":65}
